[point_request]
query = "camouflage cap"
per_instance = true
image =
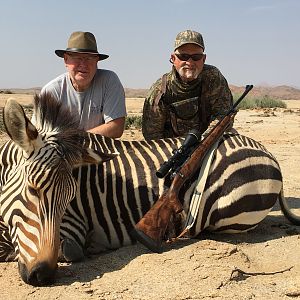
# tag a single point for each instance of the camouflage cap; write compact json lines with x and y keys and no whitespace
{"x":189,"y":37}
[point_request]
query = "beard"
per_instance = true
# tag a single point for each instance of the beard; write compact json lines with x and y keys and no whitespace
{"x":188,"y":74}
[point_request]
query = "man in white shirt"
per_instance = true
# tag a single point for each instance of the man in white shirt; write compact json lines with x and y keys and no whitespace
{"x":95,"y":95}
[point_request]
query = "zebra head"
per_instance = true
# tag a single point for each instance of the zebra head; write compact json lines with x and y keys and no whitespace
{"x":37,"y":182}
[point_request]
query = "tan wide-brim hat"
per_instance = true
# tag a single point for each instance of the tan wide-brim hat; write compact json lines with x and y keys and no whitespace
{"x":82,"y":42}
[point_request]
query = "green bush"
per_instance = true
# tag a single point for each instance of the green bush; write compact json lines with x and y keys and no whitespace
{"x":133,"y":122}
{"x":259,"y":102}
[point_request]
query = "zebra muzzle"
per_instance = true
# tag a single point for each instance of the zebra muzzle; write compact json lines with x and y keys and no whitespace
{"x":40,"y":275}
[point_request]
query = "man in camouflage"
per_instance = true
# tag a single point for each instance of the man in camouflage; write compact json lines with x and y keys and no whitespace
{"x":193,"y":95}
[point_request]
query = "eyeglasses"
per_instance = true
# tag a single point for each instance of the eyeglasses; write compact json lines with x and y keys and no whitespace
{"x":186,"y":57}
{"x":79,"y":58}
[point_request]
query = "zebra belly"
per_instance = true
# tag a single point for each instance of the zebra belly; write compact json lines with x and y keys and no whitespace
{"x":242,"y":187}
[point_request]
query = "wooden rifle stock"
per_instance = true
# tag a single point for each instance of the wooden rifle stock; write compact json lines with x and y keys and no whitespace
{"x":151,"y":228}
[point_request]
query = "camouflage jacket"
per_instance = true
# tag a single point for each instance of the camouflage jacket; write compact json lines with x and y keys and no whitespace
{"x":199,"y":104}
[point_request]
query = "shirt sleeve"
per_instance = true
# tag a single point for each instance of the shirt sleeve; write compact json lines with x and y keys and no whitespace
{"x":114,"y":99}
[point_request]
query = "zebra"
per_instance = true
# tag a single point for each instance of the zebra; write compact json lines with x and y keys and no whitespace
{"x":66,"y":193}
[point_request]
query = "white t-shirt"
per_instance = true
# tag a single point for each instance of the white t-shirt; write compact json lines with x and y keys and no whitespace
{"x":102,"y":102}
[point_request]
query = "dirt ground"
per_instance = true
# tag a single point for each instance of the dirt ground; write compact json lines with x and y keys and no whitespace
{"x":262,"y":264}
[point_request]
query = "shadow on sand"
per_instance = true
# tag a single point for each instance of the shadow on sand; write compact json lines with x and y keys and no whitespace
{"x":275,"y":226}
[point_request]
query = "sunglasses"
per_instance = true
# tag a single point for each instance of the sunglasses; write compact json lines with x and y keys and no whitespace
{"x":186,"y":57}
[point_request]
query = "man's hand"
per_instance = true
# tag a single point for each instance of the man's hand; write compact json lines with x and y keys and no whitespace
{"x":112,"y":129}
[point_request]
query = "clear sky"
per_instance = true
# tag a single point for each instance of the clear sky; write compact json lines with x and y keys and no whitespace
{"x":250,"y":41}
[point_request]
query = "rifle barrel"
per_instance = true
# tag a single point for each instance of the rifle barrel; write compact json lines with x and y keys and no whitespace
{"x":237,"y":102}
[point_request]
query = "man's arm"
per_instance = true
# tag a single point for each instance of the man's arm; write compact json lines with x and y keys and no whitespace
{"x":219,"y":97}
{"x":112,"y":129}
{"x":154,"y":115}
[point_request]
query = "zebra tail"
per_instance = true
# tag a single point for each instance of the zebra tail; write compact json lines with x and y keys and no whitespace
{"x":293,"y":218}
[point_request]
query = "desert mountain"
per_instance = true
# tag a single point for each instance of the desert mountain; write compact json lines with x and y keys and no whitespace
{"x":283,"y":92}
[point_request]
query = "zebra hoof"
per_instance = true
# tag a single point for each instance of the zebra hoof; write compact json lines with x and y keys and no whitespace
{"x":144,"y":239}
{"x":71,"y":250}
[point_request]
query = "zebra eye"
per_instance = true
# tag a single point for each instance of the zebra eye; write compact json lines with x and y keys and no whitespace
{"x":33,"y":191}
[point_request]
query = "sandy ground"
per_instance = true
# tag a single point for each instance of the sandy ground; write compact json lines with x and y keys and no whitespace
{"x":262,"y":264}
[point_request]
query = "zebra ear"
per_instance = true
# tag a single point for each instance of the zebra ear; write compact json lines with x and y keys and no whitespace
{"x":91,"y":156}
{"x":19,"y":128}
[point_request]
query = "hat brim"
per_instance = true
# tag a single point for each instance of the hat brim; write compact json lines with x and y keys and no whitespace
{"x":188,"y":42}
{"x":61,"y":53}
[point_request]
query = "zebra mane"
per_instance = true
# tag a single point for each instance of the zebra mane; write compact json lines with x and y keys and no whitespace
{"x":51,"y":116}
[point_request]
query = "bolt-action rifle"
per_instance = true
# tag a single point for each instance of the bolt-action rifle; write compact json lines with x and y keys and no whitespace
{"x":151,"y":228}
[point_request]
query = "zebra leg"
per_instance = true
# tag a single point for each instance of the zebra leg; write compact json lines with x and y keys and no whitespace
{"x":70,"y":251}
{"x":7,"y":250}
{"x":72,"y":238}
{"x":93,"y":246}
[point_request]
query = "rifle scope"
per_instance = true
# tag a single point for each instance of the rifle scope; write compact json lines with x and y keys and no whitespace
{"x":180,"y":155}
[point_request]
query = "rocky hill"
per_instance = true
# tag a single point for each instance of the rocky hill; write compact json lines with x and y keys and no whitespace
{"x":283,"y":92}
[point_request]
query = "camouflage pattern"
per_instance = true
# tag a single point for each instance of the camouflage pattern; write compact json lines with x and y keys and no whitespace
{"x":215,"y":93}
{"x":189,"y":37}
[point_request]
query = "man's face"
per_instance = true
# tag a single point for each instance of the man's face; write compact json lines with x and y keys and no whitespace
{"x":82,"y":68}
{"x":188,"y":67}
